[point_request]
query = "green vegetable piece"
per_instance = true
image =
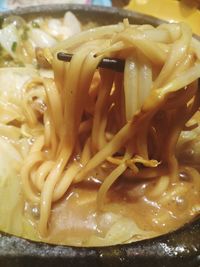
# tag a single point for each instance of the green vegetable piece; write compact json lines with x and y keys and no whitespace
{"x":35,"y":24}
{"x":24,"y":35}
{"x":1,"y":22}
{"x":14,"y":46}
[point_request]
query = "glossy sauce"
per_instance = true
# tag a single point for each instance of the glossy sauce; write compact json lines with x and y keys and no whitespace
{"x":75,"y":219}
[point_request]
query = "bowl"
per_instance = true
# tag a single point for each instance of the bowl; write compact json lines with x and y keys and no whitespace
{"x":178,"y":248}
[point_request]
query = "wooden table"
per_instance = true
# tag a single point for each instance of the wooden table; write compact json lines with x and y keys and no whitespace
{"x":120,"y":3}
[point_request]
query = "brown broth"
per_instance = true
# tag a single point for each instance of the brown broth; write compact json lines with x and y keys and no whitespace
{"x":75,"y":219}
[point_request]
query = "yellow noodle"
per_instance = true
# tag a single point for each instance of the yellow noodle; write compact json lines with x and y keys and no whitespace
{"x":131,"y":87}
{"x":95,"y":119}
{"x":160,"y":187}
{"x":178,"y":50}
{"x":86,"y":153}
{"x":108,"y":182}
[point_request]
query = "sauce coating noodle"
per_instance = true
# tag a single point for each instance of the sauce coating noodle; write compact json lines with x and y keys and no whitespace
{"x":99,"y":148}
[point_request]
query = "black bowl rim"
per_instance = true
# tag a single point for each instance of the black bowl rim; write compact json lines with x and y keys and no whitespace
{"x":52,"y":8}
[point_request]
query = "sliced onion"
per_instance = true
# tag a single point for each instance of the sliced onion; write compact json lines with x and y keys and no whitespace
{"x":41,"y":38}
{"x":9,"y":36}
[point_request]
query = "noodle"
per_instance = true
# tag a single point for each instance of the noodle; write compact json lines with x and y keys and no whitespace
{"x":90,"y":122}
{"x":143,"y":99}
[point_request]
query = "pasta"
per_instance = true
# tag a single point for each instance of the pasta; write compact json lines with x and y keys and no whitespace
{"x":122,"y":133}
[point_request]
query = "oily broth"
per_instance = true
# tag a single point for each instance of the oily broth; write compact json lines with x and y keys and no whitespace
{"x":75,"y":216}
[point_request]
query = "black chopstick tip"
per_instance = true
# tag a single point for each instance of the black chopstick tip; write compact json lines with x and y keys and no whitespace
{"x":114,"y":64}
{"x":64,"y":56}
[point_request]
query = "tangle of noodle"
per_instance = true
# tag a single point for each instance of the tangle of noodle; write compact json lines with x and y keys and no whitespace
{"x":130,"y":121}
